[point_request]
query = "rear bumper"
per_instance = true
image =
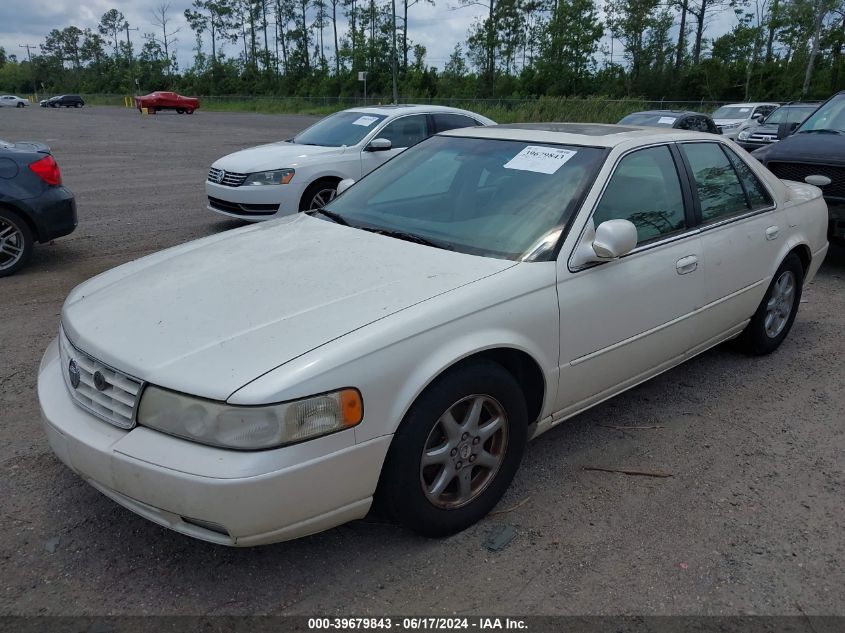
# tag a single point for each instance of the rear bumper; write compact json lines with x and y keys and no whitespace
{"x":53,"y":213}
{"x":238,"y":498}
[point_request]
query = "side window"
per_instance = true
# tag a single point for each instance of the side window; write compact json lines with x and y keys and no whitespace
{"x":719,"y":189}
{"x":445,"y":121}
{"x":758,"y":197}
{"x":645,"y":190}
{"x":684,"y":124}
{"x":407,"y":131}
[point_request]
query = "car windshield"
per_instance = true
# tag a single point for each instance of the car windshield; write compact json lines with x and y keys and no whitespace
{"x":829,"y":117}
{"x":496,"y":198}
{"x":791,"y":114}
{"x":343,"y":128}
{"x":650,"y":119}
{"x":733,"y":112}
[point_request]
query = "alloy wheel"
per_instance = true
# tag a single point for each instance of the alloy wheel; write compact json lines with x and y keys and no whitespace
{"x":12,"y":244}
{"x":464,"y":451}
{"x":780,"y":304}
{"x":322,"y":198}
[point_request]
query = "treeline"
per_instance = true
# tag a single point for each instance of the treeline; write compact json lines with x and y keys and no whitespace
{"x":776,"y":49}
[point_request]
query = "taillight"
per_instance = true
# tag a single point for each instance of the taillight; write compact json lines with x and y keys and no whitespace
{"x":48,"y":170}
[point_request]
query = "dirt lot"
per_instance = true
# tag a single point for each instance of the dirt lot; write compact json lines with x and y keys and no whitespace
{"x":751,"y":522}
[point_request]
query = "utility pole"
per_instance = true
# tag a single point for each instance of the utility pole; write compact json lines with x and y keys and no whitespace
{"x":129,"y":53}
{"x":395,"y":91}
{"x":31,"y":70}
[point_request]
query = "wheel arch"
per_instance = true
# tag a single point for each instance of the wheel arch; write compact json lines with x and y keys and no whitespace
{"x":36,"y":234}
{"x":322,"y":178}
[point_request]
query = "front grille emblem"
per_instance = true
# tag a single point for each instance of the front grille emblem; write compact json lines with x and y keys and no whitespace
{"x":100,"y":381}
{"x":220,"y":176}
{"x":73,"y":373}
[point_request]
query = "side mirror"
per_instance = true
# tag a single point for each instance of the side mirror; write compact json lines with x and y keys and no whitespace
{"x":614,"y":238}
{"x":758,"y":117}
{"x":344,"y":184}
{"x":379,"y":145}
{"x":786,"y":128}
{"x":719,"y":130}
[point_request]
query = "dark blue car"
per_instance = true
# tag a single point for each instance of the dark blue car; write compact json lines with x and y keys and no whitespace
{"x":34,"y":206}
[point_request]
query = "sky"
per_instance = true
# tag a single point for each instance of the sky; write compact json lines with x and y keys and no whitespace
{"x":438,"y":28}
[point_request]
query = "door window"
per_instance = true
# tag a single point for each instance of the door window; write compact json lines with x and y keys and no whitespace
{"x":758,"y":197}
{"x":406,"y":131}
{"x":447,"y":121}
{"x":719,"y":190}
{"x":645,"y":190}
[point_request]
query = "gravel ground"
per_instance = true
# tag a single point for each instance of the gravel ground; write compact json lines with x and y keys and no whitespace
{"x":751,"y":522}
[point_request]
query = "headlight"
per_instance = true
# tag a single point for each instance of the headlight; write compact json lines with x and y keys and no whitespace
{"x":743,"y":136}
{"x":244,"y":427}
{"x":273,"y":177}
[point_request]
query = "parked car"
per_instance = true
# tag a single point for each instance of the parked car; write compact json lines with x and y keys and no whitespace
{"x":677,"y":119}
{"x":736,"y":117}
{"x":63,"y":101}
{"x":406,"y":340}
{"x":11,"y":101}
{"x":302,"y":173}
{"x":34,"y":206}
{"x":790,"y":116}
{"x":815,"y":153}
{"x":156,"y":101}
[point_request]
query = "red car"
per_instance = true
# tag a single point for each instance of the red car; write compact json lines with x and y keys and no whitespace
{"x":156,"y":101}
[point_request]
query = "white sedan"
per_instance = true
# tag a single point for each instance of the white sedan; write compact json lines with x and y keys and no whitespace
{"x":11,"y":101}
{"x":302,"y":173}
{"x":405,"y":341}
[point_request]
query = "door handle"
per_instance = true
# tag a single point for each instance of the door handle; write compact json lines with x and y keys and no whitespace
{"x":686,"y":264}
{"x":772,"y":232}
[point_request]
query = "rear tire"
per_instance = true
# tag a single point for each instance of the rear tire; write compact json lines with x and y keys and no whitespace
{"x":456,"y":451}
{"x":189,"y":111}
{"x":776,"y":313}
{"x":20,"y":105}
{"x":15,"y":242}
{"x":180,"y":111}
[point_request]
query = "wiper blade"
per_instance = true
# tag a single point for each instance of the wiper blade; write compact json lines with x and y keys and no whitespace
{"x":339,"y":219}
{"x":822,"y":131}
{"x":412,"y":237}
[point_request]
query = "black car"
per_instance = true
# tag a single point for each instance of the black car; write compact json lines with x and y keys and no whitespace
{"x":67,"y":101}
{"x":783,"y":120}
{"x":678,"y":119}
{"x":815,"y":154}
{"x":34,"y":206}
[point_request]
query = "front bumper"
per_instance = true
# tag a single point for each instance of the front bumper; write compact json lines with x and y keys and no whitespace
{"x":253,"y":203}
{"x":239,"y":498}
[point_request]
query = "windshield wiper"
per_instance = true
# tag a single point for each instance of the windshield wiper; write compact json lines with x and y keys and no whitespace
{"x":339,"y":219}
{"x":411,"y":237}
{"x":822,"y":131}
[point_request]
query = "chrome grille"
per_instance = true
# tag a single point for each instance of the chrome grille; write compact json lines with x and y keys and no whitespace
{"x":115,"y":402}
{"x":761,"y":137}
{"x":228,"y":178}
{"x":799,"y":171}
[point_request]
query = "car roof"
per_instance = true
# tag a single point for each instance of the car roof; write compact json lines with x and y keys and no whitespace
{"x":672,"y":112}
{"x":749,"y":104}
{"x":588,"y":134}
{"x":407,"y":108}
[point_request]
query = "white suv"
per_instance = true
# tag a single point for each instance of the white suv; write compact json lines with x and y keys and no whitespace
{"x":302,"y":173}
{"x":735,"y":117}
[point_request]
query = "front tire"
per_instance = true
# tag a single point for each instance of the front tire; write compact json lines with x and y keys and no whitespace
{"x":456,"y":451}
{"x":774,"y":317}
{"x":15,"y":242}
{"x":318,"y":194}
{"x":20,"y":105}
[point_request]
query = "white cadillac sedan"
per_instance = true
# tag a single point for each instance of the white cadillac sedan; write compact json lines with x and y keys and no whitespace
{"x":405,"y":341}
{"x":277,"y":179}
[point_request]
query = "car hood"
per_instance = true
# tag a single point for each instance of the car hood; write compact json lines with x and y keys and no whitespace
{"x":819,"y":148}
{"x":209,"y":316}
{"x":274,"y":156}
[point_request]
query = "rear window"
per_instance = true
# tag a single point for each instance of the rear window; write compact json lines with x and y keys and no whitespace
{"x":649,"y":119}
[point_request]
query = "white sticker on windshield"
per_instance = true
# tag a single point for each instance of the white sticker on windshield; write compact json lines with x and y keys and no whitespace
{"x":543,"y":160}
{"x":365,"y":121}
{"x":744,"y":109}
{"x":666,"y":120}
